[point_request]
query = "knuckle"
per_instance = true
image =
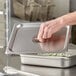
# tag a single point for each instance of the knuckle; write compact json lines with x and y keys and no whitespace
{"x":46,"y":29}
{"x":42,"y":25}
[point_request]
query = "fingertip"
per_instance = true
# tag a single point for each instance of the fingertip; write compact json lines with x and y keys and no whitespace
{"x":44,"y":37}
{"x":41,"y":40}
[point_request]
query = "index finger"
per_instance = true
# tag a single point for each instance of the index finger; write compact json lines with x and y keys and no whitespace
{"x":41,"y":32}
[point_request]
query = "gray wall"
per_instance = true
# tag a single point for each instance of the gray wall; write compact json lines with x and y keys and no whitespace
{"x":72,"y":5}
{"x":73,"y":8}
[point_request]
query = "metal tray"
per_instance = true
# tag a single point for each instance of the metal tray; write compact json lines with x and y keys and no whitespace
{"x":21,"y":40}
{"x":60,"y":60}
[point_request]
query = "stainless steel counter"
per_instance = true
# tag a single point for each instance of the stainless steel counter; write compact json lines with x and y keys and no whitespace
{"x":39,"y":70}
{"x":14,"y":61}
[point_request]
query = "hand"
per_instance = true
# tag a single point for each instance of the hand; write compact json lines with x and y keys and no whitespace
{"x":54,"y":44}
{"x":48,"y":28}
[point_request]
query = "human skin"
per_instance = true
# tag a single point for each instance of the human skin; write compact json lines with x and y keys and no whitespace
{"x":48,"y":28}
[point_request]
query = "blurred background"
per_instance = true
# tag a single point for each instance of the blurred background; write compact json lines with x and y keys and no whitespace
{"x":34,"y":10}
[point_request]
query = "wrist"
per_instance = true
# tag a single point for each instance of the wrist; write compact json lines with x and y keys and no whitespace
{"x":61,"y":21}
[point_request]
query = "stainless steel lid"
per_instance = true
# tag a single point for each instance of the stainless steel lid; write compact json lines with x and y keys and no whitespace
{"x":22,"y":40}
